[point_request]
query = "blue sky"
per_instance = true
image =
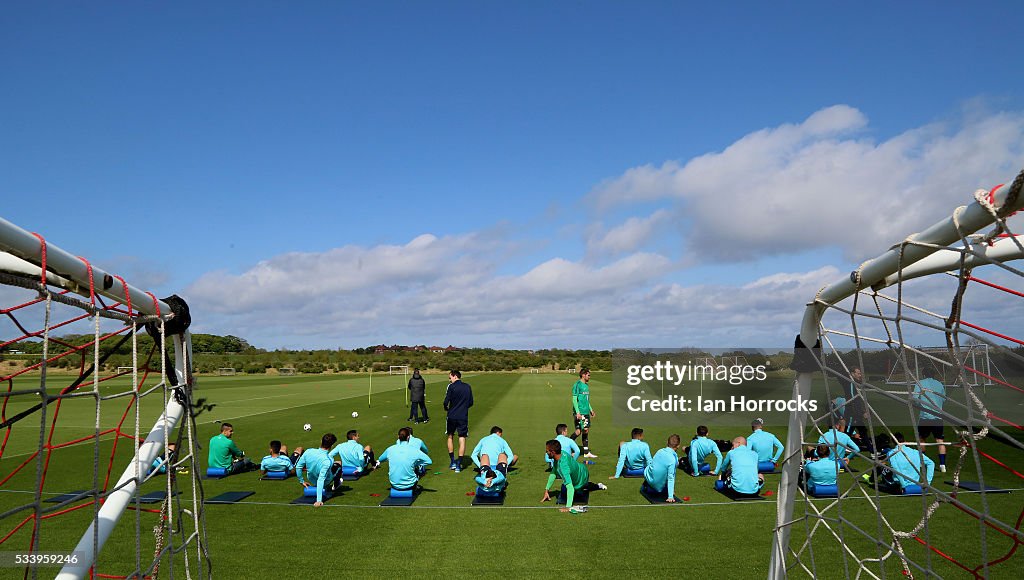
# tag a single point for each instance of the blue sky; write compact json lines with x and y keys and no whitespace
{"x":544,"y":174}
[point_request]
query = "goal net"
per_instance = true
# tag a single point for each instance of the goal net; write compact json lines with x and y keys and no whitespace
{"x":398,"y":370}
{"x":974,"y":355}
{"x":286,"y":371}
{"x":900,"y":511}
{"x":88,"y":421}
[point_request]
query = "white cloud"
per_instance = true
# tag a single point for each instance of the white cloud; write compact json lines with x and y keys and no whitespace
{"x":819,"y":183}
{"x":627,"y":236}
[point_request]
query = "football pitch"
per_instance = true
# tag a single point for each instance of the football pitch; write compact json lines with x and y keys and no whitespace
{"x":441,"y":534}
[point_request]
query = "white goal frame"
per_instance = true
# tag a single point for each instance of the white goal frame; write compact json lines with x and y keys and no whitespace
{"x":534,"y":371}
{"x":22,"y":252}
{"x":919,"y":256}
{"x":223,"y":371}
{"x":403,"y":368}
{"x":287,"y":371}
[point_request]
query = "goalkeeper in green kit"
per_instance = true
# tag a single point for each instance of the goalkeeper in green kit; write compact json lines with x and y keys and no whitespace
{"x":582,"y":412}
{"x":572,"y":472}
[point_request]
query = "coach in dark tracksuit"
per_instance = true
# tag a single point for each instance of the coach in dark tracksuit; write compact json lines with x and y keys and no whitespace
{"x":457,"y":401}
{"x":417,"y":387}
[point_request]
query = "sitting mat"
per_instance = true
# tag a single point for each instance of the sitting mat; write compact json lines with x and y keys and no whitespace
{"x":230,"y":497}
{"x":656,"y":497}
{"x":67,"y":496}
{"x":968,"y":485}
{"x":154,"y":496}
{"x":489,"y":499}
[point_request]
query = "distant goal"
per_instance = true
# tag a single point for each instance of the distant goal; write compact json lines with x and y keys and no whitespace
{"x":398,"y":370}
{"x":227,"y":371}
{"x":286,"y":371}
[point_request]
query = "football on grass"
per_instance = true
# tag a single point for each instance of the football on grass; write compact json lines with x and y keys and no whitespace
{"x":307,"y":427}
{"x":355,"y":414}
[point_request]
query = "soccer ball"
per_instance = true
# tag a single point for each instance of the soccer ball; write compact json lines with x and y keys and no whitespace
{"x":307,"y":427}
{"x":355,"y":414}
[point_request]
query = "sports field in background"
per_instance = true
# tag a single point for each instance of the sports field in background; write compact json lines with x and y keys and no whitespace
{"x":441,"y":535}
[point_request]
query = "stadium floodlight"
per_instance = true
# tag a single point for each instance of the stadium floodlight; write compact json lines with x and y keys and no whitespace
{"x":879,"y":306}
{"x":38,"y":286}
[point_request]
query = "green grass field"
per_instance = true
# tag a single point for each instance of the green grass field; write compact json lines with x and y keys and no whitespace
{"x":441,"y":534}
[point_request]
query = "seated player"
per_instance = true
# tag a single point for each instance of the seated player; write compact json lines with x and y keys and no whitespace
{"x":318,"y":465}
{"x":697,"y":452}
{"x":491,"y":480}
{"x":405,"y":462}
{"x":415,"y":441}
{"x":906,"y":466}
{"x":739,"y":469}
{"x":279,"y":460}
{"x":224,"y":454}
{"x":567,"y":444}
{"x":493,"y":450}
{"x":819,"y":469}
{"x":161,"y":463}
{"x":841,"y":446}
{"x":660,"y":473}
{"x":354,"y":454}
{"x":767,"y":446}
{"x":633,"y":454}
{"x":572,"y":472}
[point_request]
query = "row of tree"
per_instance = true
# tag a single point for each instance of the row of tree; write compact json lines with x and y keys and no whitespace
{"x":212,"y":352}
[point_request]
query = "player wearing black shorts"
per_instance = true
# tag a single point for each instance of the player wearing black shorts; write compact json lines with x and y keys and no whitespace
{"x":457,"y":401}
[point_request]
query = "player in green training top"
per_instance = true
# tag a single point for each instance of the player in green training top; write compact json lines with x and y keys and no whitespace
{"x":572,"y":472}
{"x":582,"y":412}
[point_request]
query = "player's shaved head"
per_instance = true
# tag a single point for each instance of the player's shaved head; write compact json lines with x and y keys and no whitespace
{"x":739,"y":441}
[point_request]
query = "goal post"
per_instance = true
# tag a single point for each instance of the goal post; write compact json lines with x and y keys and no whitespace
{"x":227,"y":371}
{"x":947,"y":249}
{"x":404,"y":371}
{"x":45,"y":291}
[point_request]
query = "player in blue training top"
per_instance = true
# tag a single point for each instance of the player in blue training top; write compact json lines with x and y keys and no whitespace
{"x":415,"y":441}
{"x":698,"y":450}
{"x":633,"y":454}
{"x":279,"y":459}
{"x":494,"y":451}
{"x":405,"y":462}
{"x":660,"y":473}
{"x":353,"y":453}
{"x":841,"y":446}
{"x":739,"y":469}
{"x":819,"y":469}
{"x":568,"y":445}
{"x":930,"y":394}
{"x":491,"y":480}
{"x":767,"y":446}
{"x":162,"y":462}
{"x":316,"y":462}
{"x":906,"y":466}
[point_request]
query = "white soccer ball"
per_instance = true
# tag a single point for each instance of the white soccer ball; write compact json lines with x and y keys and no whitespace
{"x":355,"y":414}
{"x":307,"y":427}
